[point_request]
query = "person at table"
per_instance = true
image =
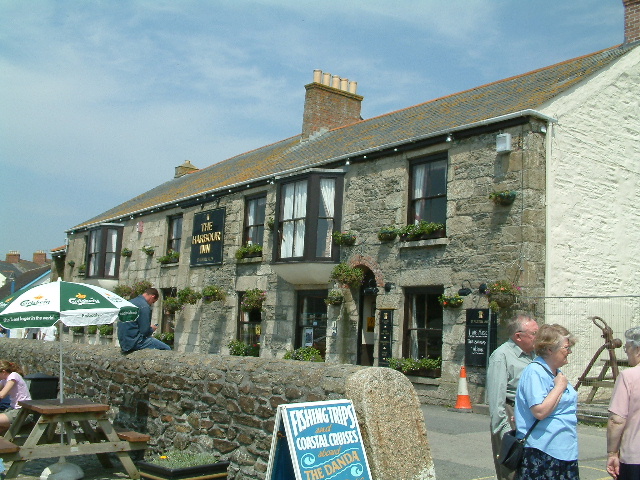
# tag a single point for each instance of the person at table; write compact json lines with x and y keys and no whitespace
{"x":544,"y":394}
{"x":623,"y":427}
{"x":12,"y":385}
{"x":138,"y":334}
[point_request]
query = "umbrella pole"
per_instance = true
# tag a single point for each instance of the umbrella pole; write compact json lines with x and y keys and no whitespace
{"x":61,"y":371}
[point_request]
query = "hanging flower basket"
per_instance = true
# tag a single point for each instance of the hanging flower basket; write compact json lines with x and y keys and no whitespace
{"x":502,"y":293}
{"x":347,"y":275}
{"x":335,"y":297}
{"x":344,"y":238}
{"x":387,"y":234}
{"x":213,"y":293}
{"x":172,"y":305}
{"x":253,"y":300}
{"x":503,"y":300}
{"x":126,"y":252}
{"x":451,"y":301}
{"x":504,"y":197}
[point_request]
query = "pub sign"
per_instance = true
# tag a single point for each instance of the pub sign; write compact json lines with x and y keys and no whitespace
{"x":207,"y":238}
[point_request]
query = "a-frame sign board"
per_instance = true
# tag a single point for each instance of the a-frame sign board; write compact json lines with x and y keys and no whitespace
{"x":317,"y":441}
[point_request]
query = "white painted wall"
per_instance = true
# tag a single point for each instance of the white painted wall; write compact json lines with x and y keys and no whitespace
{"x":593,"y":196}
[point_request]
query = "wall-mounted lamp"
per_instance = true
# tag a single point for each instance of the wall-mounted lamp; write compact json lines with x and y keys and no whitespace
{"x":449,"y":138}
{"x":464,"y":291}
{"x":388,"y":286}
{"x":347,"y":163}
{"x":482,"y":289}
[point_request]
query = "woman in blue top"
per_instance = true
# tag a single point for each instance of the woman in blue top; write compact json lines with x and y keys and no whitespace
{"x":544,"y":393}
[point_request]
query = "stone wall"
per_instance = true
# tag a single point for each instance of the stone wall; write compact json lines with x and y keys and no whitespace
{"x":228,"y":404}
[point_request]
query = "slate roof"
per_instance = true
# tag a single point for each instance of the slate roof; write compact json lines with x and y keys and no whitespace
{"x":24,"y":279}
{"x":527,"y":91}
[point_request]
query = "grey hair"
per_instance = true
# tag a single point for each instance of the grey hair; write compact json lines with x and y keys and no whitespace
{"x":633,"y":336}
{"x":517,"y":323}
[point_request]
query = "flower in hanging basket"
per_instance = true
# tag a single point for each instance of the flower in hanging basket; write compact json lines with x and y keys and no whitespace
{"x":172,"y":304}
{"x":502,"y":294}
{"x":149,"y":250}
{"x":344,"y":238}
{"x":126,"y":252}
{"x":451,"y":301}
{"x":335,"y":297}
{"x":213,"y":293}
{"x":252,"y":300}
{"x":188,"y":295}
{"x":82,"y":269}
{"x":347,"y":275}
{"x":504,"y":197}
{"x":387,"y":234}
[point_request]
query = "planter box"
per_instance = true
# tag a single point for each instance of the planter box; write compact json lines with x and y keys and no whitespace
{"x":201,"y":472}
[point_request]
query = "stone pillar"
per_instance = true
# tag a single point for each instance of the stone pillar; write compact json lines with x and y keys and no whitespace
{"x":392,"y":424}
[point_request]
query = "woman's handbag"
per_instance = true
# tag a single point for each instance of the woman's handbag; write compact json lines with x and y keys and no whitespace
{"x":512,"y":448}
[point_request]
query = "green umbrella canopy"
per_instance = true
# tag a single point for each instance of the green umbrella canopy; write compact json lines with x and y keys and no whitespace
{"x":75,"y":304}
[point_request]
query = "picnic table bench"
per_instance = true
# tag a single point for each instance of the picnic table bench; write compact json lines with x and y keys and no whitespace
{"x":56,"y":422}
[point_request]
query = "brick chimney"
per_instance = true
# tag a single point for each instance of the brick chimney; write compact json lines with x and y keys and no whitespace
{"x":13,"y":257}
{"x":40,"y":257}
{"x":330,"y":102}
{"x":631,"y":20}
{"x":186,"y":168}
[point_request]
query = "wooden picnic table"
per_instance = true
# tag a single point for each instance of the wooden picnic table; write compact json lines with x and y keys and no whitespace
{"x":56,"y":419}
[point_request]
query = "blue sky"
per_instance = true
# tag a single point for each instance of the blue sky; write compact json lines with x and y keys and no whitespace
{"x":100,"y":100}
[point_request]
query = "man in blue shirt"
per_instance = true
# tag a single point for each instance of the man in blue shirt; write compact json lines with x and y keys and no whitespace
{"x":505,"y":367}
{"x":138,"y":334}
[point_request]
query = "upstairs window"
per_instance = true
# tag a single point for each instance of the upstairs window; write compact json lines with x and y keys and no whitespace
{"x":104,"y":245}
{"x":254,"y":220}
{"x":429,"y":190}
{"x":308,"y":214}
{"x":175,"y":233}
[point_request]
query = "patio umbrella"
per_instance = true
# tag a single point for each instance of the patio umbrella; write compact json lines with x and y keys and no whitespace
{"x":68,"y":303}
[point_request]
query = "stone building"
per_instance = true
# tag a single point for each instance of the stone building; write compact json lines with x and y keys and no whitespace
{"x":564,"y":138}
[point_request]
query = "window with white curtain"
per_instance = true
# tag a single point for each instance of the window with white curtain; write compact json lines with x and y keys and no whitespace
{"x":309,"y":211}
{"x":429,"y":190}
{"x":175,"y":233}
{"x":254,"y":220}
{"x":103,"y":252}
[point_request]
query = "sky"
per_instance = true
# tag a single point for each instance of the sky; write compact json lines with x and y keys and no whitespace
{"x":101,"y":99}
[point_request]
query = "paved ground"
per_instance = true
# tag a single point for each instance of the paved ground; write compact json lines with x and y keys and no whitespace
{"x":459,"y":442}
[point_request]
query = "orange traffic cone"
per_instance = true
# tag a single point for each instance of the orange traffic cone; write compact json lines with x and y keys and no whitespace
{"x":464,"y":402}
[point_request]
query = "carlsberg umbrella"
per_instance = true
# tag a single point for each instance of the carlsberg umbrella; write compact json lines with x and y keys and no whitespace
{"x":73,"y":304}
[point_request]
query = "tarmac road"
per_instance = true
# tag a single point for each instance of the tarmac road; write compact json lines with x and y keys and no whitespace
{"x":461,"y":448}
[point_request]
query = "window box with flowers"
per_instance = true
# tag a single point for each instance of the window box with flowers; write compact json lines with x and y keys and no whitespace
{"x":249,"y":251}
{"x":504,"y":197}
{"x":347,"y":275}
{"x":213,"y":293}
{"x":422,"y":230}
{"x":387,"y":234}
{"x":451,"y":301}
{"x":502,"y":294}
{"x":253,"y":300}
{"x":335,"y":297}
{"x":422,"y":367}
{"x":171,"y":257}
{"x":344,"y":238}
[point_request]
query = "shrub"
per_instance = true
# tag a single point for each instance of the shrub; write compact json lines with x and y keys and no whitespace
{"x":304,"y":354}
{"x":406,"y":365}
{"x":106,"y":329}
{"x":92,"y":329}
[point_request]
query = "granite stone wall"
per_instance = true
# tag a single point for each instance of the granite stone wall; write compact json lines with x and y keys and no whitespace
{"x":228,"y":404}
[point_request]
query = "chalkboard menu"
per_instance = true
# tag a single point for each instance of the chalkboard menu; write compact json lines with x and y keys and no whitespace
{"x":480,"y":336}
{"x":384,"y":343}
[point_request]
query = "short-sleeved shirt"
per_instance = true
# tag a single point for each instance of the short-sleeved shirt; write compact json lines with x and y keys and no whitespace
{"x":557,"y":434}
{"x":625,"y":402}
{"x":19,"y":392}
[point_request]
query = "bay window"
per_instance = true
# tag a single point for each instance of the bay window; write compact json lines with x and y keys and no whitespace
{"x":103,"y":250}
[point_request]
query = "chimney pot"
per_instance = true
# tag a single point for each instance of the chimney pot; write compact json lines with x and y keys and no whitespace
{"x":317,"y":76}
{"x":344,"y":84}
{"x":353,"y":87}
{"x":335,"y":81}
{"x":326,"y":78}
